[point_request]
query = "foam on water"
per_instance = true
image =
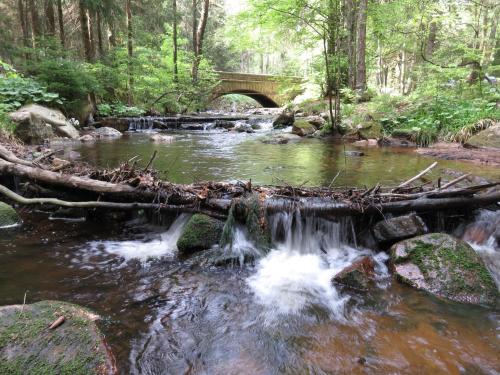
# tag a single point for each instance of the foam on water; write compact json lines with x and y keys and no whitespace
{"x":298,"y":273}
{"x":163,"y":245}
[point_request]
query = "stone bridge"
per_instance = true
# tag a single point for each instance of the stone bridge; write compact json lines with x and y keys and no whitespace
{"x":269,"y":91}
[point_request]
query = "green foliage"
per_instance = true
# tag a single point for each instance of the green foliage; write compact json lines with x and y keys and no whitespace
{"x":118,"y":110}
{"x":17,"y":91}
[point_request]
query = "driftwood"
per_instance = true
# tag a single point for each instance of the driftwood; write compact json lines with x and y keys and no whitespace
{"x":130,"y":188}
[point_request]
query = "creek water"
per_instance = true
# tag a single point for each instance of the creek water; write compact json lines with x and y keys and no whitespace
{"x":163,"y":314}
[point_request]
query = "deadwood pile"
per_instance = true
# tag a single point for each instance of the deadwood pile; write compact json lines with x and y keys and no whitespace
{"x":49,"y":180}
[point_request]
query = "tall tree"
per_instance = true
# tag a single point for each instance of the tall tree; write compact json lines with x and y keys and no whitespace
{"x":361,"y":46}
{"x":50,"y":17}
{"x":60,"y":18}
{"x":23,"y":23}
{"x":36,"y":29}
{"x":130,"y":51}
{"x":200,"y":34}
{"x":175,"y":42}
{"x":85,"y":29}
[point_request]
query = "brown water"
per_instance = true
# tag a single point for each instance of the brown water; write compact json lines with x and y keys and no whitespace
{"x":165,"y":315}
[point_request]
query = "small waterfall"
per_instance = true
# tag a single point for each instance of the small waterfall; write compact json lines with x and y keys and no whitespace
{"x":141,"y":123}
{"x":297,"y":275}
{"x":484,"y":236}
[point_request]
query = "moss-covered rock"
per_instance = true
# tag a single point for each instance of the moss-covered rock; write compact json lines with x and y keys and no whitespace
{"x":200,"y":233}
{"x":489,"y":138}
{"x":8,"y":216}
{"x":248,"y":213}
{"x":28,"y":346}
{"x":286,"y":118}
{"x":302,"y":127}
{"x":370,"y":130}
{"x":446,"y":267}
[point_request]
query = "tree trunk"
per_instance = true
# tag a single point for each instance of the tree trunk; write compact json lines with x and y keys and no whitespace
{"x":200,"y":34}
{"x":50,"y":18}
{"x":112,"y":32}
{"x":100,"y":45}
{"x":84,"y":26}
{"x":351,"y":43}
{"x":194,"y":10}
{"x":431,"y":39}
{"x":174,"y":36}
{"x":60,"y":18}
{"x":36,"y":31}
{"x":24,"y":26}
{"x":130,"y":52}
{"x":492,"y":39}
{"x":361,"y":46}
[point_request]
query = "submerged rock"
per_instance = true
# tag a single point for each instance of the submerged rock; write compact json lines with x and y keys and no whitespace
{"x":161,"y":138}
{"x":446,"y":267}
{"x":354,"y":153}
{"x":108,"y":132}
{"x":87,"y":138}
{"x":8,"y":216}
{"x":200,"y":233}
{"x":488,"y":138}
{"x":278,"y":139}
{"x":29,"y":346}
{"x":36,"y":123}
{"x":303,"y":128}
{"x":398,"y":228}
{"x":358,"y":275}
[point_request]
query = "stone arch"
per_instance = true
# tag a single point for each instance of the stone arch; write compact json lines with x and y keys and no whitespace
{"x":264,"y":100}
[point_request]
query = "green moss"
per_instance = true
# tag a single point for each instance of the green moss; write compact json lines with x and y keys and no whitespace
{"x":200,"y":233}
{"x":8,"y":216}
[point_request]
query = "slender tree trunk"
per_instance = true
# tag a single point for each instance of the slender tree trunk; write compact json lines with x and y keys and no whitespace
{"x":200,"y":34}
{"x":351,"y":42}
{"x":431,"y":39}
{"x":492,"y":39}
{"x":112,"y":32}
{"x":91,"y":19}
{"x":60,"y":18}
{"x":174,"y":36}
{"x":194,"y":10}
{"x":361,"y":46}
{"x":50,"y":18}
{"x":84,"y":26}
{"x":24,"y":26}
{"x":36,"y":30}
{"x":100,"y":45}
{"x":130,"y":52}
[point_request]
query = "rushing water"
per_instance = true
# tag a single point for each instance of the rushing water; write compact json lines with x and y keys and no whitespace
{"x":282,"y":315}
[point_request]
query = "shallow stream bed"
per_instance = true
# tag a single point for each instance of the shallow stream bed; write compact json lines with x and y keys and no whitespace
{"x":165,"y":315}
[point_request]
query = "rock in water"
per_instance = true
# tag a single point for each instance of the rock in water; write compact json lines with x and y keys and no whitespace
{"x":200,"y":233}
{"x":108,"y":132}
{"x":28,"y":346}
{"x":358,"y":275}
{"x":488,"y":138}
{"x":446,"y":267}
{"x":283,"y":120}
{"x":161,"y":138}
{"x":36,"y":123}
{"x":399,"y":228}
{"x":303,"y":128}
{"x":8,"y":216}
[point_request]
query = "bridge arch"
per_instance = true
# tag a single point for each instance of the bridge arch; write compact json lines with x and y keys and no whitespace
{"x":264,"y":100}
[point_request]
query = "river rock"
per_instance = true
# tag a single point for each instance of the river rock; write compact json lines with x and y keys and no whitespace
{"x":303,"y":128}
{"x":243,"y":127}
{"x":366,"y":143}
{"x":396,"y":142}
{"x":399,"y":228}
{"x":489,"y":138}
{"x":316,"y":121}
{"x":107,"y":132}
{"x":286,"y":118}
{"x":161,"y":138}
{"x":36,"y":123}
{"x":354,"y":153}
{"x":225,"y":124}
{"x":358,"y":275}
{"x":446,"y":267}
{"x":370,"y":130}
{"x":29,"y":346}
{"x":277,"y":139}
{"x":8,"y":216}
{"x":200,"y":233}
{"x":247,"y":213}
{"x":87,"y":138}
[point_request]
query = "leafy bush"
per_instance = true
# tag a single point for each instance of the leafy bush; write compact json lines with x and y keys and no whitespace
{"x":17,"y":91}
{"x":118,"y":110}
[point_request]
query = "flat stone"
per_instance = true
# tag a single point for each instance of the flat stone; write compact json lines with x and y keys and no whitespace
{"x":398,"y":228}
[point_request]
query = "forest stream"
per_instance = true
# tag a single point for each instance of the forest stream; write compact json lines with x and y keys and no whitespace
{"x":163,"y":314}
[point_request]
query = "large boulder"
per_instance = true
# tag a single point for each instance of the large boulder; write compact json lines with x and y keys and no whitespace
{"x":30,"y":342}
{"x":489,"y":138}
{"x":399,"y":228}
{"x":286,"y":118}
{"x":303,"y":128}
{"x":107,"y":132}
{"x":358,"y":275}
{"x":200,"y":233}
{"x":8,"y":216}
{"x":370,"y":130}
{"x":446,"y":267}
{"x":36,"y":123}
